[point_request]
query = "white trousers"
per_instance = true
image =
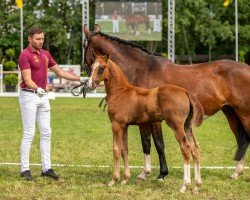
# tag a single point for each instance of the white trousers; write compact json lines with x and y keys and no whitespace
{"x":35,"y":109}
{"x":115,"y":26}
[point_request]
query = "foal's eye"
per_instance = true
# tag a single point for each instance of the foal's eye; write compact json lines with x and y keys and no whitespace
{"x":100,"y":71}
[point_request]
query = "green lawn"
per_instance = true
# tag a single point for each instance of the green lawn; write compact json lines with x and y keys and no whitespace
{"x":82,"y":136}
{"x":127,"y":34}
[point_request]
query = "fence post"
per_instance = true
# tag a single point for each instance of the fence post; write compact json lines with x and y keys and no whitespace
{"x":1,"y":78}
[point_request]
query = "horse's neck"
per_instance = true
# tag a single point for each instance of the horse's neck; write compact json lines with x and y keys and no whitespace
{"x":130,"y":59}
{"x":116,"y":81}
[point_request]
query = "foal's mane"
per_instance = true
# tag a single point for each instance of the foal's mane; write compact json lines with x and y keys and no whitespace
{"x":131,"y":44}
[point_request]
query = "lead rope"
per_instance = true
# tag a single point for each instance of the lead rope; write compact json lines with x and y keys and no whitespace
{"x":82,"y":91}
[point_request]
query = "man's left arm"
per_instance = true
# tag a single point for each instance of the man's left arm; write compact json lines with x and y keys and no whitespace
{"x":66,"y":75}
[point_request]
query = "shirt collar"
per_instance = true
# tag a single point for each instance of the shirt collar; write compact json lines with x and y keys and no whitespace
{"x":31,"y":50}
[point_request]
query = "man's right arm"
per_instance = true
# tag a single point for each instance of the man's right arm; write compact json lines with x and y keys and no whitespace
{"x":26,"y":73}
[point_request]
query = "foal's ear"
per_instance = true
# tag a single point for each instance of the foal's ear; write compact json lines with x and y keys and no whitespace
{"x":108,"y":55}
{"x":97,"y":28}
{"x":105,"y":58}
{"x":94,"y":53}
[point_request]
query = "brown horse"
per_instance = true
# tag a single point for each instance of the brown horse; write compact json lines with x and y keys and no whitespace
{"x":134,"y":22}
{"x":128,"y":105}
{"x":218,"y":85}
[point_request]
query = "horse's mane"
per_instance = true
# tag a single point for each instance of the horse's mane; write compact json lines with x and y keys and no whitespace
{"x":119,"y":40}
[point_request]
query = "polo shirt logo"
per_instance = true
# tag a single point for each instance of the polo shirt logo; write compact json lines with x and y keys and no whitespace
{"x":35,"y":58}
{"x":46,"y":61}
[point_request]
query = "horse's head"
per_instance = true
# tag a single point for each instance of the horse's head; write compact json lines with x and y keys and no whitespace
{"x":99,"y":71}
{"x":89,"y":57}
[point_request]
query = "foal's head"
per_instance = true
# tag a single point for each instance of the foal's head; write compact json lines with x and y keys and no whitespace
{"x":99,"y":71}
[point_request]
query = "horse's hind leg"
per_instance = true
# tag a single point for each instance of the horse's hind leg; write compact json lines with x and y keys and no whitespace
{"x":185,"y":147}
{"x":242,"y":138}
{"x":156,"y":131}
{"x":146,"y":146}
{"x":195,"y":151}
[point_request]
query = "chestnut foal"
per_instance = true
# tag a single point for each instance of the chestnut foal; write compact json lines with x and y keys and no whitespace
{"x":129,"y":105}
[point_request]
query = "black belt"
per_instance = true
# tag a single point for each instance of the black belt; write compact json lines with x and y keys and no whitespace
{"x":28,"y":90}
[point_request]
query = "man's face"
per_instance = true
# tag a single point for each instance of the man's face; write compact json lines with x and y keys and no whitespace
{"x":37,"y":41}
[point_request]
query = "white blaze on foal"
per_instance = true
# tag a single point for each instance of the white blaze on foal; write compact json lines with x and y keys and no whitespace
{"x":95,"y":65}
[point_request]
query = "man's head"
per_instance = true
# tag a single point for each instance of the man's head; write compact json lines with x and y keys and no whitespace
{"x":36,"y":37}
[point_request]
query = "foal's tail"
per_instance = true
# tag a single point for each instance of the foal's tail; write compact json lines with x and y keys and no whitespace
{"x":196,"y":113}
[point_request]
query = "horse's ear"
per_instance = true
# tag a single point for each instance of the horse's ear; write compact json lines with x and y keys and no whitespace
{"x":86,"y":30}
{"x":97,"y":28}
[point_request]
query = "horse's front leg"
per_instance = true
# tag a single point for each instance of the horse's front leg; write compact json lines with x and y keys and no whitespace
{"x":125,"y":156}
{"x":117,"y":143}
{"x":156,"y":131}
{"x":146,"y":146}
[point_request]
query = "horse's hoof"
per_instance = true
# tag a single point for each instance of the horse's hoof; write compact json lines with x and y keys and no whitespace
{"x":162,"y":175}
{"x":235,"y":176}
{"x":111,"y":183}
{"x":143,"y":175}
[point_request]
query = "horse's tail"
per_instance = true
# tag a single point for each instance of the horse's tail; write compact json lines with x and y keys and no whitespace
{"x":196,"y":113}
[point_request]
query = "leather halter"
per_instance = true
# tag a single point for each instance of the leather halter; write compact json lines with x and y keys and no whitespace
{"x":87,"y":41}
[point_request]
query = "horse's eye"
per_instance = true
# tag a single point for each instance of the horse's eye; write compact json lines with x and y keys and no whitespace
{"x":100,"y":71}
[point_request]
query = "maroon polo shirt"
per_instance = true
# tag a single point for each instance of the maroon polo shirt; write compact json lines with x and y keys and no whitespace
{"x":38,"y":63}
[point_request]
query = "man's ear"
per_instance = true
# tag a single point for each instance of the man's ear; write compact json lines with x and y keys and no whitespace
{"x":97,"y":28}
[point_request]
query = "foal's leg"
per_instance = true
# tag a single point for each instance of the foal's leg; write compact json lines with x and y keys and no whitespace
{"x":125,"y":156}
{"x":181,"y":137}
{"x":195,"y":151}
{"x":146,"y":146}
{"x":156,"y":131}
{"x":117,"y":143}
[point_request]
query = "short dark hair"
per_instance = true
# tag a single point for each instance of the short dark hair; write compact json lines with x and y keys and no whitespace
{"x":34,"y":30}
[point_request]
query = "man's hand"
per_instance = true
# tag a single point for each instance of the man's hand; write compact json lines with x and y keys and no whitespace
{"x":84,"y":79}
{"x":40,"y":92}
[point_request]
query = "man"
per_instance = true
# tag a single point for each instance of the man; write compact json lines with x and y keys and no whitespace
{"x":34,"y":104}
{"x":115,"y":22}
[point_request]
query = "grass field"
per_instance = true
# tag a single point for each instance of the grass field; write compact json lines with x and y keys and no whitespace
{"x":125,"y":34}
{"x":82,"y":136}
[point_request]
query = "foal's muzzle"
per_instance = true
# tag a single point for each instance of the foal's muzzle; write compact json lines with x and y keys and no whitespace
{"x":92,"y":84}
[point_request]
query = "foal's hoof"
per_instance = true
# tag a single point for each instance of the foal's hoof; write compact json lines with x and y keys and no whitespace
{"x":124,"y":181}
{"x":195,"y":190}
{"x":183,"y":189}
{"x":112,"y":183}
